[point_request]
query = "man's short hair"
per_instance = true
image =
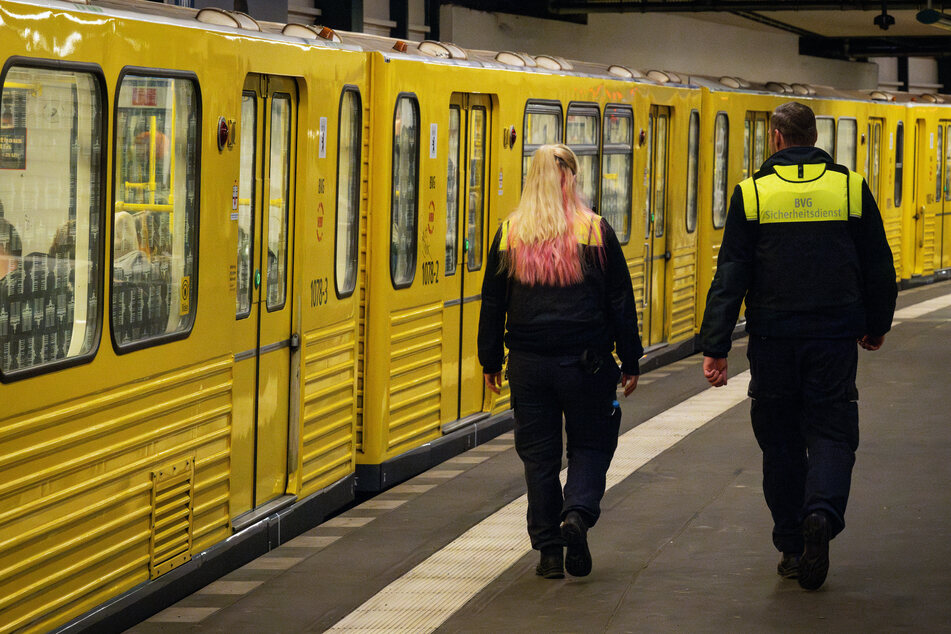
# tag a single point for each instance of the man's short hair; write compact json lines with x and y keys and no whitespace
{"x":796,"y":122}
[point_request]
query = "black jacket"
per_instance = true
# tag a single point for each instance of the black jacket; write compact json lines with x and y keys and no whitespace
{"x":593,"y":314}
{"x":800,"y":279}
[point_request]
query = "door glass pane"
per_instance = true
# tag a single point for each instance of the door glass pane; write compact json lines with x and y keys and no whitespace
{"x":476,"y":206}
{"x":616,"y":175}
{"x":348,"y":191}
{"x":939,"y":177}
{"x":154,"y":225}
{"x":899,"y":158}
{"x":825,"y":126}
{"x":747,"y":155}
{"x":759,"y":145}
{"x":279,"y":176}
{"x":51,"y":135}
{"x":720,"y":148}
{"x":648,"y":180}
{"x":660,"y":176}
{"x":947,"y":165}
{"x":581,"y":133}
{"x":248,"y":132}
{"x":693,"y":172}
{"x":845,"y":143}
{"x":405,"y":182}
{"x":452,"y":190}
{"x":875,"y":150}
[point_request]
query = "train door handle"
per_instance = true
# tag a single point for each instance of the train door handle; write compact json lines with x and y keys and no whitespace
{"x":667,"y":256}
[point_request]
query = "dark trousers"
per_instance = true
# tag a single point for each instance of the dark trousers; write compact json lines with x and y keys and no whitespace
{"x":543,"y":390}
{"x":805,"y":418}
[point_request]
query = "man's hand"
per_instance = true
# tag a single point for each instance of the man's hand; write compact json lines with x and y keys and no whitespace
{"x":871,"y":343}
{"x":494,"y":381}
{"x":629,"y":383}
{"x":714,"y":370}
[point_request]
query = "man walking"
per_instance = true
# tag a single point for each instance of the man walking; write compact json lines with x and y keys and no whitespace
{"x":805,"y":245}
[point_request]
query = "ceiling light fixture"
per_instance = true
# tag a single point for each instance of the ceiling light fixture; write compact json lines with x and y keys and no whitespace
{"x":934,"y":18}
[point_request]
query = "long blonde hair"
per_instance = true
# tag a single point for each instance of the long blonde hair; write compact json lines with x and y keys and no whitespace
{"x":542,"y":239}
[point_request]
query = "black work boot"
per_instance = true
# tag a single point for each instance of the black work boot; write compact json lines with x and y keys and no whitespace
{"x":575,"y":532}
{"x":551,"y":565}
{"x":814,"y":563}
{"x":788,"y":567}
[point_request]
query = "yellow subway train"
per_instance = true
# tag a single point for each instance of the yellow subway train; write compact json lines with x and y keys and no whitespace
{"x":240,"y":266}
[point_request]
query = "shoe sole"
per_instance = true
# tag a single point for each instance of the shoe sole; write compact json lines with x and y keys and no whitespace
{"x":788,"y":573}
{"x":814,"y":564}
{"x":551,"y":574}
{"x":578,"y":557}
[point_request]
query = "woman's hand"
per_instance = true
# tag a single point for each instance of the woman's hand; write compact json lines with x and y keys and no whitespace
{"x":494,"y":381}
{"x":629,"y":383}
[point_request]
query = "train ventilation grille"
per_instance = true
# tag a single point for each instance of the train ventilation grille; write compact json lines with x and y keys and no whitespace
{"x":171,"y":542}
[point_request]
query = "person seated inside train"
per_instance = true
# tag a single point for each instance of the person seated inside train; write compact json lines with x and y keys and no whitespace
{"x":127,"y":255}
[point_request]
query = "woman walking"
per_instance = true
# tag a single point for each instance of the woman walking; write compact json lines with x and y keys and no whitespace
{"x":557,"y":286}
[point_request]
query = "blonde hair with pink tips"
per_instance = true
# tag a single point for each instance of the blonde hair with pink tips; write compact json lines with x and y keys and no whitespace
{"x":542,"y":237}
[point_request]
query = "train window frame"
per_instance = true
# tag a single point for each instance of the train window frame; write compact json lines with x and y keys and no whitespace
{"x":591,"y":110}
{"x":820,"y":123}
{"x":414,"y":238}
{"x":723,"y":157}
{"x":899,"y":169}
{"x":691,"y":210}
{"x":101,"y":91}
{"x":539,"y":106}
{"x":853,"y":139}
{"x":354,"y":192}
{"x":609,"y":149}
{"x":288,"y":193}
{"x":472,"y":264}
{"x":453,"y":173}
{"x":157,"y":340}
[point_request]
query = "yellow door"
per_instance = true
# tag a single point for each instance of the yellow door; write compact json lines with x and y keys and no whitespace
{"x":264,"y":277}
{"x":657,"y":254}
{"x":926,"y":202}
{"x":943,"y":192}
{"x":467,"y":238}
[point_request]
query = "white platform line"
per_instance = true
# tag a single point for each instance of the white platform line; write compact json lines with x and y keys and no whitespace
{"x":423,"y":598}
{"x":923,"y":308}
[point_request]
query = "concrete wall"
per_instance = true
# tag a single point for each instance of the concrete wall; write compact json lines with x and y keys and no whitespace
{"x":657,"y":41}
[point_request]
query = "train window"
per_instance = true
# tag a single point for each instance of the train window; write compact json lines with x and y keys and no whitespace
{"x":874,"y":150}
{"x":581,"y":135}
{"x":542,"y":125}
{"x":452,"y":189}
{"x":747,"y":136}
{"x":947,"y":164}
{"x":648,"y":175}
{"x":246,"y":202}
{"x":279,"y":178}
{"x":51,"y":134}
{"x":693,"y":172}
{"x":660,"y":174}
{"x":350,"y":126}
{"x":616,"y":170}
{"x":154,"y":247}
{"x":899,"y":159}
{"x":759,"y":144}
{"x":825,"y":127}
{"x":845,"y":143}
{"x":476,"y":189}
{"x":939,"y":177}
{"x":721,"y":146}
{"x":404,"y":187}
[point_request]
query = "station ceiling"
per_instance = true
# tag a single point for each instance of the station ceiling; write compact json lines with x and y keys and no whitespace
{"x":848,"y":29}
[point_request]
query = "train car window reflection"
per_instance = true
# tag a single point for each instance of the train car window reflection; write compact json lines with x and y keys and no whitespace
{"x":248,"y":131}
{"x":476,"y":203}
{"x":899,"y":160}
{"x":825,"y":127}
{"x":278,"y":200}
{"x":452,"y":190}
{"x":50,"y":195}
{"x":721,"y":146}
{"x":660,"y":175}
{"x":693,"y":171}
{"x":542,"y":125}
{"x":616,"y":170}
{"x":875,"y":148}
{"x":845,"y":143}
{"x":348,"y":191}
{"x":154,"y":247}
{"x":747,"y":158}
{"x":947,"y":164}
{"x":581,"y":135}
{"x":404,"y":190}
{"x":759,"y":144}
{"x":649,"y":192}
{"x":939,"y":177}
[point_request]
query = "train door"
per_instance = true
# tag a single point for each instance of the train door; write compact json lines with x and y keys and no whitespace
{"x":924,"y":198}
{"x":943,"y":230}
{"x":655,"y":228}
{"x":755,"y":143}
{"x":264,"y":305}
{"x":470,"y":123}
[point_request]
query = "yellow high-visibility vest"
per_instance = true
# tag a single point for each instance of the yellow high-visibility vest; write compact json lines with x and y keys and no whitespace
{"x":802,"y":193}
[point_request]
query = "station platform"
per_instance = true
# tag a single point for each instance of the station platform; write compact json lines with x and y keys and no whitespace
{"x":683,"y":543}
